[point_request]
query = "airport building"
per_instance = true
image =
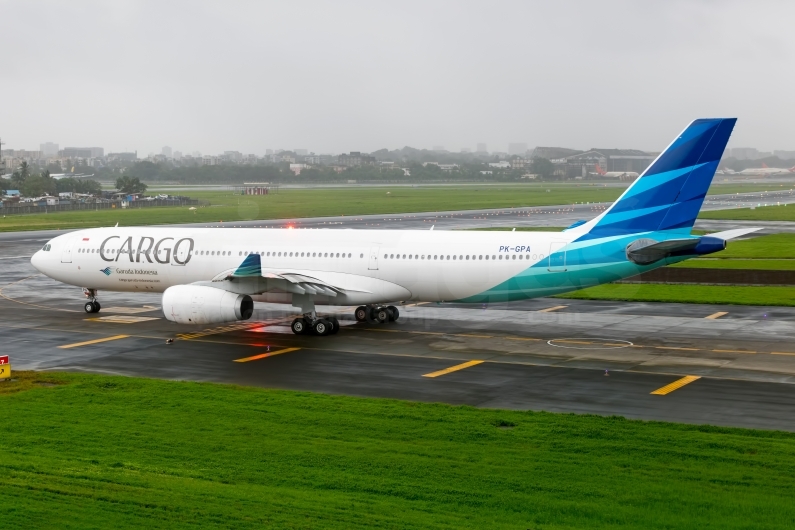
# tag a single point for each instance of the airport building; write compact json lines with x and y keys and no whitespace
{"x":355,"y":159}
{"x":608,"y":160}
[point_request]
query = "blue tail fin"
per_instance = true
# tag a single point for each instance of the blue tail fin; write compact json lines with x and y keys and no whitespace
{"x":669,"y":194}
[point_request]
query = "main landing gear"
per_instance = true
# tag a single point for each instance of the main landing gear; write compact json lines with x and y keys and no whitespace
{"x":310,"y":324}
{"x":380,"y":314}
{"x":92,"y":305}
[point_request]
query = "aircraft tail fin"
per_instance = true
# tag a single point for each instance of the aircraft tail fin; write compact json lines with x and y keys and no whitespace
{"x":599,"y":169}
{"x":764,"y":166}
{"x":669,"y":194}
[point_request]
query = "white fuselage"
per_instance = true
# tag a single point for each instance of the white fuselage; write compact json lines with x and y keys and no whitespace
{"x":371,"y":266}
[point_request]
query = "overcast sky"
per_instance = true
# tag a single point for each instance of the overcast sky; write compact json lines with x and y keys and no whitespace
{"x":341,"y":76}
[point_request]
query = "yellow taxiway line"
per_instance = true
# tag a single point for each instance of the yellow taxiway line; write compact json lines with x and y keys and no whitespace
{"x":453,"y":368}
{"x":719,"y":314}
{"x":679,"y":383}
{"x":550,"y":309}
{"x":264,"y":355}
{"x":95,"y":341}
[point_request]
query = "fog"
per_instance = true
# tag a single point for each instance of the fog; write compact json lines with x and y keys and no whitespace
{"x":340,"y":76}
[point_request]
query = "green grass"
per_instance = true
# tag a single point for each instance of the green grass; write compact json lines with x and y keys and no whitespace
{"x":317,"y":202}
{"x":762,"y":213}
{"x":297,"y":203}
{"x":112,"y":452}
{"x":756,"y":264}
{"x":691,"y":294}
{"x":774,"y":246}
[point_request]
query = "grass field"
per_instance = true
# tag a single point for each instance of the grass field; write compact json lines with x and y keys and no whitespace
{"x":762,"y":213}
{"x":691,"y":294}
{"x":89,"y":451}
{"x":295,"y":203}
{"x":757,"y":264}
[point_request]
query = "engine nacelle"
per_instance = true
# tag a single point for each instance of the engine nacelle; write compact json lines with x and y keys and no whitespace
{"x":196,"y":304}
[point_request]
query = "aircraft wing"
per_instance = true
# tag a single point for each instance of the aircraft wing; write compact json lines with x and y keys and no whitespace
{"x":251,"y":278}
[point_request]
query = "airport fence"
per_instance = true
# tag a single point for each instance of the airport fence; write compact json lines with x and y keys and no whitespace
{"x":17,"y":209}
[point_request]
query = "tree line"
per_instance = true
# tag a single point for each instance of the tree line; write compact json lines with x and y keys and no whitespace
{"x":32,"y":184}
{"x":276,"y":174}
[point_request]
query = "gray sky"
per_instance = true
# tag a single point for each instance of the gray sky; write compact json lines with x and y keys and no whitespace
{"x":340,"y":76}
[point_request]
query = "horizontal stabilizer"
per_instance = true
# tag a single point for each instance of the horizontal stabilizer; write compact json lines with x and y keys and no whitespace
{"x":733,"y":234}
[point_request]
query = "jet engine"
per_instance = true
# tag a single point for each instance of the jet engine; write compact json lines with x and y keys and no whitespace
{"x":197,"y":304}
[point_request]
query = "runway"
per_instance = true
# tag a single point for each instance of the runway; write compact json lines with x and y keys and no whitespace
{"x":543,"y":354}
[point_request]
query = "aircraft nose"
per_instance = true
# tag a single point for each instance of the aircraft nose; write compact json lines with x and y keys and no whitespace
{"x":37,"y":259}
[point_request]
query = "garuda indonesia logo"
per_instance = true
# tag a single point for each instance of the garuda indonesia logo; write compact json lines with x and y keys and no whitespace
{"x":106,"y":271}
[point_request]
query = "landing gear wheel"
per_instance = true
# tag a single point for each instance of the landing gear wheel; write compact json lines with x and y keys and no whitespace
{"x":299,"y":326}
{"x":361,"y":314}
{"x":322,"y":327}
{"x":382,"y":315}
{"x":394,"y":314}
{"x":90,"y":307}
{"x":335,"y":325}
{"x":97,"y":307}
{"x":372,"y":316}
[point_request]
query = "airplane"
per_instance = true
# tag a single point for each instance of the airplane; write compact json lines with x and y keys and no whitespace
{"x":59,"y":176}
{"x":214,"y":275}
{"x":615,"y":174}
{"x":766,"y":171}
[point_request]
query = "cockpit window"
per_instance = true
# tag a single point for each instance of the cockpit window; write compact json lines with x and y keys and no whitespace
{"x":47,"y":247}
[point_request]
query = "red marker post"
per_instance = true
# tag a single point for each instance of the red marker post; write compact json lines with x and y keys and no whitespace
{"x":5,"y":368}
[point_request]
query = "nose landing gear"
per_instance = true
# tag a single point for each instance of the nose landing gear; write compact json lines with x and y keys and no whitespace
{"x":92,"y":306}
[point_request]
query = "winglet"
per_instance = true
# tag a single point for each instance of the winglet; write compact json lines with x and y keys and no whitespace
{"x":251,"y":266}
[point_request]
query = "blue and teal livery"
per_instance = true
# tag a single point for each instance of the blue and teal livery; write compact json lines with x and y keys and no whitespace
{"x":647,"y":227}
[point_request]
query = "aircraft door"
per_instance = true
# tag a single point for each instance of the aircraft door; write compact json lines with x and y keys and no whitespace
{"x":557,"y":258}
{"x":66,"y":253}
{"x":373,"y":264}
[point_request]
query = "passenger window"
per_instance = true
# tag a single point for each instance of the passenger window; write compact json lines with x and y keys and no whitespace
{"x":361,"y":255}
{"x":514,"y":256}
{"x":500,"y":256}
